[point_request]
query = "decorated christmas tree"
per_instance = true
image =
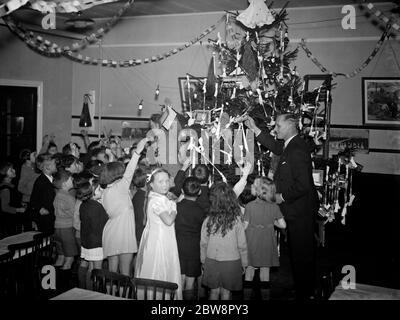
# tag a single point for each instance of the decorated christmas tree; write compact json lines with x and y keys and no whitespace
{"x":256,"y":77}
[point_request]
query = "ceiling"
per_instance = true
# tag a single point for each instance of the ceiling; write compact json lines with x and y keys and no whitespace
{"x":161,"y":7}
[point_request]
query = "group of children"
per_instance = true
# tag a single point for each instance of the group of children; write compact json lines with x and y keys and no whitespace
{"x":145,"y":223}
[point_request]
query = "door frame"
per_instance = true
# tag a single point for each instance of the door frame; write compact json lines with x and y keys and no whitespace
{"x":39,"y":108}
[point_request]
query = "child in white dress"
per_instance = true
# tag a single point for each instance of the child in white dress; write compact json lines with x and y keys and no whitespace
{"x":158,"y":257}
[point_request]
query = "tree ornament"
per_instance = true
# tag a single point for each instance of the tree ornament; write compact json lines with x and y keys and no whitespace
{"x":85,"y":120}
{"x":256,"y":15}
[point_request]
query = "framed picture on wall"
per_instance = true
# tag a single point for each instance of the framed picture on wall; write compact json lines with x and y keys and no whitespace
{"x":344,"y":138}
{"x":189,"y":91}
{"x":381,"y":102}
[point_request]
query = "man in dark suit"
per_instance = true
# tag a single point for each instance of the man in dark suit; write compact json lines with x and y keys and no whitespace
{"x":43,"y":194}
{"x":296,"y":195}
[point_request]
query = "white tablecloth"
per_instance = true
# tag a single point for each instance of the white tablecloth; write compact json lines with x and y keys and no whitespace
{"x":82,"y":294}
{"x":19,"y":238}
{"x":365,"y":292}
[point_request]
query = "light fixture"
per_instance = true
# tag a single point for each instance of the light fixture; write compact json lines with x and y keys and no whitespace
{"x":158,"y":90}
{"x":140,"y":107}
{"x":79,"y":22}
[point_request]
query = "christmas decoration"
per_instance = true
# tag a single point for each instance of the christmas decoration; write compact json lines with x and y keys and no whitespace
{"x":352,"y":74}
{"x":85,"y":120}
{"x":51,"y":49}
{"x":256,"y":15}
{"x":45,"y":7}
{"x":257,"y":79}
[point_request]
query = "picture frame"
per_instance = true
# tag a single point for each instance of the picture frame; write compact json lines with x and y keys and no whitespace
{"x":381,"y":102}
{"x":187,"y":96}
{"x":346,"y":138}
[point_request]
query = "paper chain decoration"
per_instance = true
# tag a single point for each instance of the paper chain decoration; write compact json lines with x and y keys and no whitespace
{"x":352,"y":74}
{"x":51,"y":6}
{"x":381,"y":16}
{"x":51,"y":49}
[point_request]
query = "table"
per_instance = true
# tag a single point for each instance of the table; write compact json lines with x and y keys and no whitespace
{"x":19,"y":238}
{"x":365,"y":292}
{"x":82,"y":294}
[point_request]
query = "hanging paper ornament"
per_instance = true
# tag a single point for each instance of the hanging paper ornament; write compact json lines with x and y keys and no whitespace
{"x":85,"y":120}
{"x":256,"y":15}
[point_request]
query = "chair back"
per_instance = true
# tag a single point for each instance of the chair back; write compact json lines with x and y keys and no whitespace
{"x":45,"y":248}
{"x":6,"y":258}
{"x":6,"y":279}
{"x":112,"y":283}
{"x":153,"y":289}
{"x":23,"y":248}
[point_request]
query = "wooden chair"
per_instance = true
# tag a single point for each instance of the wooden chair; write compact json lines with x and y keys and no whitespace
{"x":45,"y":249}
{"x":6,"y":275}
{"x":112,"y":283}
{"x":156,"y":289}
{"x":24,"y":266}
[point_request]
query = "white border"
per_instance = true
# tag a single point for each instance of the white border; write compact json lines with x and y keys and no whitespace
{"x":39,"y":110}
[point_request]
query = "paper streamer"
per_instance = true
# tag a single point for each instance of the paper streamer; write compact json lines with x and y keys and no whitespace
{"x":352,"y":74}
{"x":54,"y":50}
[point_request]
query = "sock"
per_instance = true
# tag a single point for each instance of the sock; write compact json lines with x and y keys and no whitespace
{"x":82,"y":271}
{"x":89,"y":285}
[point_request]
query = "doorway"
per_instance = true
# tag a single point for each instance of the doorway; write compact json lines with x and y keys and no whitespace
{"x":20,"y":117}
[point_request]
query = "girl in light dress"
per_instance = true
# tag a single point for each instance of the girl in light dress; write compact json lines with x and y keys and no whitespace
{"x":119,"y":239}
{"x":158,"y":257}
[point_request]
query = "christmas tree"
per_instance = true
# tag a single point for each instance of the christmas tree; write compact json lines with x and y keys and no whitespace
{"x":256,"y":78}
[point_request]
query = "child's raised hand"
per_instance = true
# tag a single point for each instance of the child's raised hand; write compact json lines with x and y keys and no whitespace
{"x":141,"y":144}
{"x":186,"y":164}
{"x":151,"y":136}
{"x":247,"y":168}
{"x":46,"y":139}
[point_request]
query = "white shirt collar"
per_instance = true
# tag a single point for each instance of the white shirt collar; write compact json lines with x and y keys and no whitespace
{"x":288,"y":140}
{"x":49,"y":177}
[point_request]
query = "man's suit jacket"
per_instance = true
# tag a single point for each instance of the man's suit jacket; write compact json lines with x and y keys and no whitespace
{"x":43,"y":194}
{"x":293,"y":177}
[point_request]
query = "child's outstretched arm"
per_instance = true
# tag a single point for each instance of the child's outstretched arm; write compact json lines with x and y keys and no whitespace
{"x":131,"y":167}
{"x":241,"y":184}
{"x":180,"y":177}
{"x":45,"y":144}
{"x":241,"y":243}
{"x":204,"y":241}
{"x":280,"y":223}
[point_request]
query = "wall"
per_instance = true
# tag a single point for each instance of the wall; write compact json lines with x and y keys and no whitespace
{"x":140,"y":37}
{"x":18,"y":62}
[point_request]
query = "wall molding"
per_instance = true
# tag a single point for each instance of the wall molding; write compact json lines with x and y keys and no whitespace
{"x":200,"y":43}
{"x":370,"y":127}
{"x":115,"y":118}
{"x":374,"y":150}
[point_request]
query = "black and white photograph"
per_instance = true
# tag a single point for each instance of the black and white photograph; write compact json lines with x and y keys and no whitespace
{"x":381,"y":101}
{"x":207,"y":156}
